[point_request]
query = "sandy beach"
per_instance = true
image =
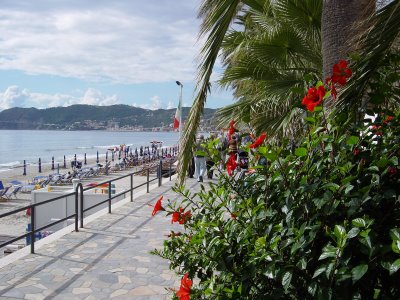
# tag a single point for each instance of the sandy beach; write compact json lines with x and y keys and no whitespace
{"x":15,"y":225}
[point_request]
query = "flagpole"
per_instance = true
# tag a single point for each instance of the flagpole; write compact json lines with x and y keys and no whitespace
{"x":180,"y":107}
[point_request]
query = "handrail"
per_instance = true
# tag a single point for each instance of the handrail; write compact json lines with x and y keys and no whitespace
{"x":78,"y":215}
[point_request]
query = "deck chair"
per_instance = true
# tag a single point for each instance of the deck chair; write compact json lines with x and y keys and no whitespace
{"x":13,"y":192}
{"x":3,"y":193}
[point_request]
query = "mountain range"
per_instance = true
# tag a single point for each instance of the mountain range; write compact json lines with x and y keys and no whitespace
{"x":90,"y":117}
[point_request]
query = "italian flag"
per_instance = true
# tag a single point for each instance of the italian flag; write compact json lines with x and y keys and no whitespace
{"x":177,"y":116}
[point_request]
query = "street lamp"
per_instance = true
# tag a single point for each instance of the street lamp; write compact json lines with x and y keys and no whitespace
{"x":180,"y":109}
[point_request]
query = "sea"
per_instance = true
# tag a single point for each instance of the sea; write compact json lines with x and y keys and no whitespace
{"x":30,"y":145}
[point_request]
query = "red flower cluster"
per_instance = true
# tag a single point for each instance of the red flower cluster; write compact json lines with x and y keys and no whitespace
{"x":231,"y":164}
{"x":184,"y":289}
{"x":231,"y":129}
{"x":181,"y":216}
{"x":158,"y":206}
{"x":376,"y":129}
{"x":340,"y":74}
{"x":258,"y":142}
{"x":356,"y":151}
{"x":388,"y":119}
{"x":314,"y":97}
{"x":392,"y":170}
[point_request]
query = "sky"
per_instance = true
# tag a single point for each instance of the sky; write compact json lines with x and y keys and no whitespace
{"x":100,"y":52}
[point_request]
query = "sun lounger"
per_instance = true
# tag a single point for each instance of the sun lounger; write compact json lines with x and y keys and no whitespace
{"x":13,"y":192}
{"x":3,"y":193}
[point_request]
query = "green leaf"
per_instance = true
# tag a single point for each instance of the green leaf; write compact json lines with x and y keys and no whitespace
{"x":328,"y":251}
{"x":309,"y":119}
{"x":359,"y":222}
{"x":358,"y":272}
{"x":352,"y":140}
{"x":319,"y":271}
{"x":301,"y":152}
{"x":395,"y":266}
{"x":353,"y":233}
{"x":286,"y":279}
{"x":340,"y":233}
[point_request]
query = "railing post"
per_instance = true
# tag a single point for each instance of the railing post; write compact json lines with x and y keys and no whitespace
{"x":76,"y":210}
{"x":160,"y":174}
{"x":52,"y":163}
{"x":40,"y":165}
{"x":85,"y":161}
{"x":109,"y":197}
{"x":148,"y":180}
{"x":32,"y":229}
{"x":81,"y":208}
{"x":170,"y":169}
{"x":131,"y":187}
{"x":65,"y":164}
{"x":24,"y":168}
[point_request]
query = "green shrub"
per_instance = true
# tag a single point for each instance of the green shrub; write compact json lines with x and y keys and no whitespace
{"x":320,"y":220}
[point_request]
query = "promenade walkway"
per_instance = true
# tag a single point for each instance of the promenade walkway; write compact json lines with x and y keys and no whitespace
{"x":108,"y":259}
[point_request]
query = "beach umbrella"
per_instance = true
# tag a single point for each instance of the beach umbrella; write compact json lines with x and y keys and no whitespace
{"x":24,"y":168}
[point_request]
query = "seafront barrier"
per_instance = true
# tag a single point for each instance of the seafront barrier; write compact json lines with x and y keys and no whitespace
{"x":111,"y":155}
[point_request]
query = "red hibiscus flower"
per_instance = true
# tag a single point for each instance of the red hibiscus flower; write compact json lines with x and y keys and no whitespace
{"x":259,"y":141}
{"x":231,"y":164}
{"x":392,"y":170}
{"x":388,"y":119}
{"x":158,"y":206}
{"x":356,"y":151}
{"x":341,"y":72}
{"x":376,"y":129}
{"x":314,"y":97}
{"x":180,"y":216}
{"x":184,"y":289}
{"x":231,"y":129}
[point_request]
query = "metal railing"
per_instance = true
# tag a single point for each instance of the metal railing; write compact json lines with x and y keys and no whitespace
{"x":79,"y":209}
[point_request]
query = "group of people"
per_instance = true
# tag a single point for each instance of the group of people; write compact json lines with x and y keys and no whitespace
{"x":201,"y":164}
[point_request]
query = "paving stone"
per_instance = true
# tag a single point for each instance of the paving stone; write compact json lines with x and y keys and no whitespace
{"x":112,"y":261}
{"x":34,"y":296}
{"x":78,"y":291}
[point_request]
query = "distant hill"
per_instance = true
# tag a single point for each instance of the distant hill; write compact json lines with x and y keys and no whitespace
{"x":89,"y":117}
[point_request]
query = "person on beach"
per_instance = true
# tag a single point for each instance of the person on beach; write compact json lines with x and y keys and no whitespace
{"x":200,"y":159}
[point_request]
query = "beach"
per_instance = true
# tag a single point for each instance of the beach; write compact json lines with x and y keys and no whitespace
{"x":16,"y":224}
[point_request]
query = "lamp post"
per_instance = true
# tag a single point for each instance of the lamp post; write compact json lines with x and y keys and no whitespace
{"x":180,"y":108}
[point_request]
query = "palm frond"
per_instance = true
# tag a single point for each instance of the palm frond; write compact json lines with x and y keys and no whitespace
{"x":217,"y":17}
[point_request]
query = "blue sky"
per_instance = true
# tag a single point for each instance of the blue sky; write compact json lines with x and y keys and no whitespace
{"x":100,"y":52}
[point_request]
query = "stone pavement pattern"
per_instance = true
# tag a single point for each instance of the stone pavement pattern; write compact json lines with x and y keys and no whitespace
{"x":108,"y":259}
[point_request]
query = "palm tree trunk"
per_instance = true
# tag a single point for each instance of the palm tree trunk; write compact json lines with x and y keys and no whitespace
{"x":342,"y":22}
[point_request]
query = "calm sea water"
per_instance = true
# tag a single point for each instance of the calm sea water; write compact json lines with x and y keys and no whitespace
{"x":19,"y":145}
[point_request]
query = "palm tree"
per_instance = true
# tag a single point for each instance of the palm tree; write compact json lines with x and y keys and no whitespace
{"x":342,"y":22}
{"x":266,"y":63}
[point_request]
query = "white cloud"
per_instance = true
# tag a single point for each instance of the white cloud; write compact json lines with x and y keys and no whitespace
{"x":171,"y":105}
{"x":14,"y":96}
{"x":155,"y":103}
{"x":125,"y":42}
